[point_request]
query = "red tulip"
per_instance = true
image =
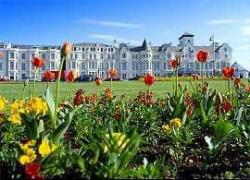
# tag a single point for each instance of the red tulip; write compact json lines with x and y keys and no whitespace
{"x":72,"y":75}
{"x":32,"y":171}
{"x":66,"y":49}
{"x":173,"y":63}
{"x":98,"y":81}
{"x":202,"y":56}
{"x":149,"y":79}
{"x":228,"y":72}
{"x":112,"y":72}
{"x":49,"y":76}
{"x":38,"y":62}
{"x":227,"y":106}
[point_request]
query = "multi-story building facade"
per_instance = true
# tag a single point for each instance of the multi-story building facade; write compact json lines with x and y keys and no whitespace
{"x":96,"y":58}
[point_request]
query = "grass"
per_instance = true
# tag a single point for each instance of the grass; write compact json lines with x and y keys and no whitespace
{"x":129,"y":88}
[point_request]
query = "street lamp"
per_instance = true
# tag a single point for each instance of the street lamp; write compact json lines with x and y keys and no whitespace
{"x":213,"y":61}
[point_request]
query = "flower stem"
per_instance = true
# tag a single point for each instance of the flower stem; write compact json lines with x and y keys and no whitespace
{"x":57,"y":90}
{"x":111,"y":84}
{"x":176,"y":81}
{"x":23,"y":92}
{"x":228,"y":87}
{"x":202,"y":75}
{"x":34,"y":82}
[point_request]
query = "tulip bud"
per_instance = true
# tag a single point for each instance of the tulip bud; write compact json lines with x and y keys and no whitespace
{"x":66,"y":49}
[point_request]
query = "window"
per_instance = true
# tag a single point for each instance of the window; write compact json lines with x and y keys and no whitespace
{"x":90,"y":56}
{"x":23,"y":66}
{"x":52,"y":65}
{"x":113,"y":56}
{"x":168,"y":55}
{"x":11,"y":65}
{"x":226,"y":56}
{"x":43,"y":67}
{"x":52,"y":56}
{"x":76,"y":56}
{"x":123,"y":55}
{"x":143,"y":56}
{"x":83,"y":56}
{"x":23,"y":56}
{"x":1,"y":66}
{"x":101,"y":56}
{"x":225,"y":49}
{"x":73,"y":65}
{"x":124,"y":66}
{"x":12,"y":55}
{"x":43,"y":56}
{"x":94,"y":56}
{"x":101,"y":49}
{"x":23,"y":76}
{"x":83,"y":65}
{"x":74,"y":48}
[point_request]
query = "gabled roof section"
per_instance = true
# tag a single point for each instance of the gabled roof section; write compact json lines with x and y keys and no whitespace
{"x":186,"y":34}
{"x":143,"y":47}
{"x":238,"y":67}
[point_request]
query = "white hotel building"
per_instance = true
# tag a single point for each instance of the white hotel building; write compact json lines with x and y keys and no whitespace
{"x":130,"y":61}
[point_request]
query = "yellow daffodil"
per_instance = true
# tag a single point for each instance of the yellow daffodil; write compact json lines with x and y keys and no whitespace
{"x":24,"y":159}
{"x":176,"y":123}
{"x":119,"y":139}
{"x":166,"y":128}
{"x":3,"y":103}
{"x":36,"y":106}
{"x":15,"y":118}
{"x":44,"y":148}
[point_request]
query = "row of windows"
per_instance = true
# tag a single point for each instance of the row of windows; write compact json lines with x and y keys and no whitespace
{"x":92,"y":49}
{"x":24,"y":55}
{"x":24,"y":66}
{"x":91,"y":56}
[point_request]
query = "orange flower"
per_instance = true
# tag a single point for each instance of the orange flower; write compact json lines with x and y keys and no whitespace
{"x":72,"y":75}
{"x":228,"y":72}
{"x":66,"y":49}
{"x":98,"y":81}
{"x":195,"y":76}
{"x":237,"y":82}
{"x":108,"y":93}
{"x":38,"y":62}
{"x":1,"y":54}
{"x":202,"y":56}
{"x":79,"y":97}
{"x":149,"y":79}
{"x":49,"y":76}
{"x":112,"y":72}
{"x":173,"y":63}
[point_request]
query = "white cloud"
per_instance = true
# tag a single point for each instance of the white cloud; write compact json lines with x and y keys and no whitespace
{"x":110,"y":23}
{"x":112,"y":37}
{"x":245,"y":30}
{"x":222,"y":21}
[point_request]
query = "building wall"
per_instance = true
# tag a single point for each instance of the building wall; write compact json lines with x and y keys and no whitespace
{"x":95,"y":59}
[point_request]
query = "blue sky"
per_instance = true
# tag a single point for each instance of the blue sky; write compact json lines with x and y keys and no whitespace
{"x":55,"y":21}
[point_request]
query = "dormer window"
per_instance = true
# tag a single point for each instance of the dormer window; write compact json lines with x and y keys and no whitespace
{"x":225,"y":49}
{"x":123,"y":55}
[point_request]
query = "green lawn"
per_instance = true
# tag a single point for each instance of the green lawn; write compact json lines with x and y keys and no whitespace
{"x":129,"y":88}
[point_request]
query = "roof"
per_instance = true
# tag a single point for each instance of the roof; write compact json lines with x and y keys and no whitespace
{"x":144,"y":46}
{"x":186,"y":34}
{"x":90,"y":44}
{"x":238,"y":67}
{"x":43,"y":47}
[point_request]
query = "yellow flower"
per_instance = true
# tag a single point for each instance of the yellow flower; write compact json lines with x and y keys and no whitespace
{"x":166,"y":128}
{"x":176,"y":123}
{"x":24,"y":159}
{"x":36,"y":106}
{"x":119,"y":139}
{"x":15,"y":118}
{"x":3,"y":103}
{"x":27,"y":145}
{"x":17,"y":106}
{"x":44,"y":148}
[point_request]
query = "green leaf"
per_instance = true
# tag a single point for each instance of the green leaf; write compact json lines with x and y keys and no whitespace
{"x":51,"y":104}
{"x":238,"y":115}
{"x":62,"y":128}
